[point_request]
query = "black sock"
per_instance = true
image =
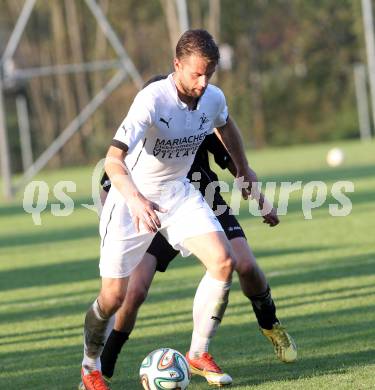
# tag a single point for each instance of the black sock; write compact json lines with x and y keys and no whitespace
{"x":264,"y":309}
{"x":111,"y":351}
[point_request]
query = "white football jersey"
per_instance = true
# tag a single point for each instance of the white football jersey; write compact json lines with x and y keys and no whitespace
{"x":161,"y":134}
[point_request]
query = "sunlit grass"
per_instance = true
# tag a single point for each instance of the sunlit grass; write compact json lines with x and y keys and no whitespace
{"x":322,"y":274}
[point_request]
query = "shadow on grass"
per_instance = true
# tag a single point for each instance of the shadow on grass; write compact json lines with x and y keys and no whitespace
{"x":341,"y":332}
{"x":326,"y":269}
{"x":48,"y":297}
{"x":58,"y":368}
{"x":256,"y":374}
{"x":356,"y":295}
{"x":49,"y":274}
{"x":333,"y":269}
{"x":319,"y":293}
{"x":180,"y":263}
{"x":44,"y":332}
{"x":42,"y":313}
{"x":49,"y":236}
{"x":13,"y":209}
{"x":47,"y":368}
{"x":33,"y":338}
{"x":249,"y":359}
{"x":86,"y":270}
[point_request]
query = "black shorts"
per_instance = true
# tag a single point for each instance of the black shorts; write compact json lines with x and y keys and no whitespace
{"x":163,"y":251}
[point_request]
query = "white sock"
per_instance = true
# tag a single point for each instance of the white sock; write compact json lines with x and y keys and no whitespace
{"x":199,"y":345}
{"x":210,"y":302}
{"x":95,"y":325}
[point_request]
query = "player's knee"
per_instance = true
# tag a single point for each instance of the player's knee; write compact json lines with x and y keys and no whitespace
{"x":111,"y":300}
{"x":245,"y":267}
{"x":117,"y":300}
{"x":135,"y":297}
{"x":225,"y":264}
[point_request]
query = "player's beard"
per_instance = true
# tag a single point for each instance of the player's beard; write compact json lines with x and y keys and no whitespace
{"x":192,"y":92}
{"x":198,"y":93}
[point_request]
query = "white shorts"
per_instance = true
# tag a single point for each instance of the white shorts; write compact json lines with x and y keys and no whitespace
{"x":122,"y":248}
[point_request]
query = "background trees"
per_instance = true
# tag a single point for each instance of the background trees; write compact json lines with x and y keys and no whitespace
{"x":291,"y":80}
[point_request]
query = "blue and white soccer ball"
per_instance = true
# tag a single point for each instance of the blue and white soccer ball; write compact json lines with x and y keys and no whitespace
{"x":165,"y":368}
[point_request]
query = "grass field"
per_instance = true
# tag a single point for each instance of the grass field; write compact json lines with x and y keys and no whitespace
{"x":322,"y":274}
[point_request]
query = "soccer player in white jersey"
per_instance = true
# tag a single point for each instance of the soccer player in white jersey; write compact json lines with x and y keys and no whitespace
{"x":157,"y":258}
{"x":159,"y":254}
{"x":147,"y":163}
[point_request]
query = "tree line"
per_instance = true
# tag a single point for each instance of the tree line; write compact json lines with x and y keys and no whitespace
{"x":290,"y":81}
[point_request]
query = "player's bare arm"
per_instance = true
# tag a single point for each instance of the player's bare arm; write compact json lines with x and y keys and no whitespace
{"x":270,"y":217}
{"x":143,"y":210}
{"x":230,"y":136}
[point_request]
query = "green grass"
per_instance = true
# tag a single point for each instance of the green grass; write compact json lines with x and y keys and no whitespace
{"x":322,"y":273}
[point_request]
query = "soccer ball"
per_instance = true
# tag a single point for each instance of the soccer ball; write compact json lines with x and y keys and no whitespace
{"x":335,"y":157}
{"x":164,"y":368}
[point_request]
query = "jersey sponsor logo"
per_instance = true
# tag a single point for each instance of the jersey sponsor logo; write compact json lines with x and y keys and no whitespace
{"x":123,"y":128}
{"x":178,"y":147}
{"x":203,"y":119}
{"x":162,"y":120}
